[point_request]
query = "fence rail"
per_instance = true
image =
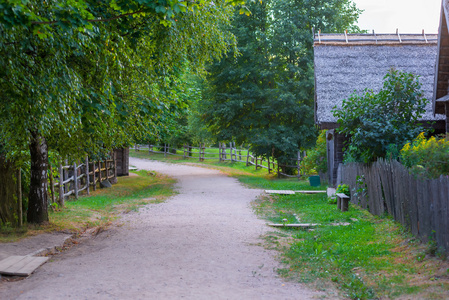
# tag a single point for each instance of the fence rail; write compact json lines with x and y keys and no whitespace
{"x":421,"y":205}
{"x":226,"y":153}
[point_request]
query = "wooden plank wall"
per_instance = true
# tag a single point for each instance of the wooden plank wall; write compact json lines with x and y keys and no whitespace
{"x":420,"y":204}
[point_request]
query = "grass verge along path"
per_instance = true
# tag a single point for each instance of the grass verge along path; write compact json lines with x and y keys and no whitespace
{"x":102,"y":206}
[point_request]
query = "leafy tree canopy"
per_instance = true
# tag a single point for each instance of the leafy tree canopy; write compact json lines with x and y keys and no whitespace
{"x":81,"y":77}
{"x":264,"y":97}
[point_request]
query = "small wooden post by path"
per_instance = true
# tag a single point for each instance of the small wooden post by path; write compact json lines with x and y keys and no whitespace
{"x":184,"y":151}
{"x":75,"y":179}
{"x":255,"y":158}
{"x":87,"y":175}
{"x":247,"y":158}
{"x":219,"y":152}
{"x":279,"y":173}
{"x":165,"y":150}
{"x":19,"y":198}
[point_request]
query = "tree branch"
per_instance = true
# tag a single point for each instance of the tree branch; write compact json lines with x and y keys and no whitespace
{"x":91,"y":20}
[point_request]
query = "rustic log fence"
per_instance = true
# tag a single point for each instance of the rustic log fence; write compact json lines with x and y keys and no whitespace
{"x":77,"y":177}
{"x":420,"y":204}
{"x":226,"y":153}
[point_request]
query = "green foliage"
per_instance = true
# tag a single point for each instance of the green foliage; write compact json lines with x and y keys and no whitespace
{"x":343,"y":188}
{"x":265,"y":95}
{"x":88,"y":76}
{"x":377,"y":123}
{"x":427,"y":157}
{"x":316,"y":159}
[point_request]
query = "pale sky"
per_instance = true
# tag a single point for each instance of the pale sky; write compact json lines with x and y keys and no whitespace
{"x":409,"y":16}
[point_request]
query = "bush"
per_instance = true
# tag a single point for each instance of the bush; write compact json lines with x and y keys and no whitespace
{"x":427,"y":157}
{"x":316,"y":159}
{"x":378,"y":123}
{"x":344,"y":189}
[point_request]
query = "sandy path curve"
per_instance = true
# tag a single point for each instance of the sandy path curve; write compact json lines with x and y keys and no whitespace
{"x":200,"y":244}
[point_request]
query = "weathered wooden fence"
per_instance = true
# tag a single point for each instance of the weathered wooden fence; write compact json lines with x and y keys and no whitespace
{"x":77,"y":177}
{"x":226,"y":153}
{"x":420,"y":204}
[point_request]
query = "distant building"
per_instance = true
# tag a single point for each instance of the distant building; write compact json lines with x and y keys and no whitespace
{"x":348,"y":63}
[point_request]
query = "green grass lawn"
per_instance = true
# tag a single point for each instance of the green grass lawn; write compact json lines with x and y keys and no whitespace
{"x":368,"y":257}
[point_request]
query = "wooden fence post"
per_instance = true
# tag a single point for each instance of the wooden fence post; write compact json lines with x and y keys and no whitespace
{"x":99,"y":171}
{"x":199,"y":152}
{"x":61,"y":186}
{"x":219,"y":152}
{"x":256,"y":162}
{"x":240,"y":154}
{"x":52,"y":184}
{"x":247,"y":158}
{"x":94,"y":177}
{"x":87,"y":176}
{"x":299,"y":164}
{"x":107,"y":165}
{"x":66,"y":175}
{"x":230,"y":151}
{"x":75,"y":177}
{"x":184,"y":151}
{"x":279,"y":174}
{"x":269,"y":170}
{"x":19,"y":198}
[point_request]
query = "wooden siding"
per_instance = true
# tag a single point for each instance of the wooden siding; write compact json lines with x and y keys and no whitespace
{"x":442,"y":64}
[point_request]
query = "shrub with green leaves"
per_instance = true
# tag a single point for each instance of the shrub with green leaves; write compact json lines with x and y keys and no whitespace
{"x":427,"y":157}
{"x":316,"y":159}
{"x":343,"y":189}
{"x":376,"y":123}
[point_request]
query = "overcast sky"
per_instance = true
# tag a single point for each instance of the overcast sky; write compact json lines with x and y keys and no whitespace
{"x":409,"y":16}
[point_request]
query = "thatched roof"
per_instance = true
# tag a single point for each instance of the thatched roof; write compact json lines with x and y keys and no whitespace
{"x":345,"y":63}
{"x":442,"y":63}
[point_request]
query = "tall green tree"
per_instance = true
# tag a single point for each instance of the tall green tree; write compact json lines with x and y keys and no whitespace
{"x":80,"y":77}
{"x":265,"y":96}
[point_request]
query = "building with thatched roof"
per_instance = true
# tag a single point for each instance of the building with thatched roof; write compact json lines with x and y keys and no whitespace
{"x":441,"y":91}
{"x":348,"y":63}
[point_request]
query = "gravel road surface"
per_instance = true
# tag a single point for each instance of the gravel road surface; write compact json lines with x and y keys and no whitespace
{"x":203,"y":243}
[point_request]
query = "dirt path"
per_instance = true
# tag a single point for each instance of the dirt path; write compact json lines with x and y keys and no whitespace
{"x":200,"y":244}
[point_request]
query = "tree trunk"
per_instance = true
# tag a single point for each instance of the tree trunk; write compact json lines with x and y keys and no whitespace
{"x":37,"y":200}
{"x":8,"y":191}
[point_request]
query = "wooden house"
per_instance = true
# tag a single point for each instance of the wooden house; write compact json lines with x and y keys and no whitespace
{"x":348,"y":63}
{"x":441,"y":91}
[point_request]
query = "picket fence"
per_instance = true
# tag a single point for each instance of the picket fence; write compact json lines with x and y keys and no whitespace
{"x":227,"y":153}
{"x":420,"y":204}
